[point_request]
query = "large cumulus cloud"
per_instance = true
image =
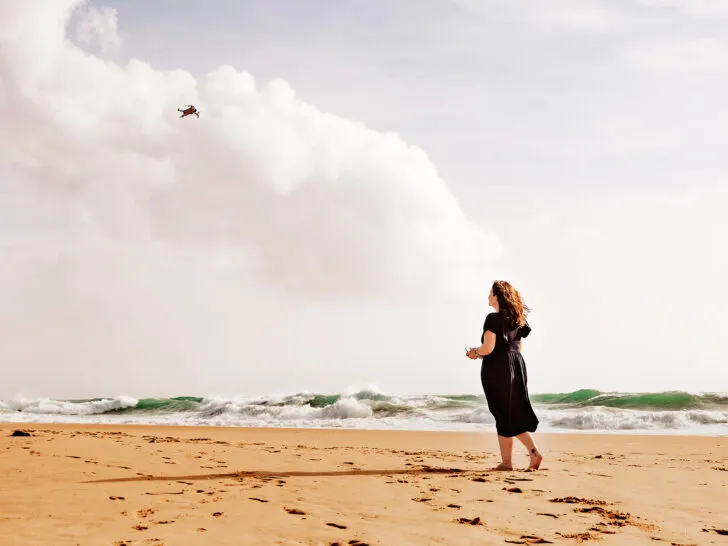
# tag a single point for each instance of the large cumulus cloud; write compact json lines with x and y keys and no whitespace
{"x":316,"y":203}
{"x":135,"y":244}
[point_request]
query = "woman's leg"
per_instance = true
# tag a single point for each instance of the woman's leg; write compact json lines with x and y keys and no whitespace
{"x":506,"y":450}
{"x":536,"y":457}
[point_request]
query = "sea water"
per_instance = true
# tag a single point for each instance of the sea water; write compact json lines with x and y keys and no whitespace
{"x":580,"y":411}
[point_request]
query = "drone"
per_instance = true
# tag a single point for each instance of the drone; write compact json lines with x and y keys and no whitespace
{"x":189,"y":111}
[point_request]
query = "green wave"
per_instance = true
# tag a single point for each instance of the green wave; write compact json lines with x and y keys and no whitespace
{"x":670,"y":400}
{"x":384,"y":405}
{"x":464,"y":397}
{"x":178,"y":403}
{"x":565,"y":398}
{"x":323,"y":400}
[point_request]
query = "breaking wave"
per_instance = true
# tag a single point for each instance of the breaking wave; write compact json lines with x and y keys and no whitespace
{"x":582,"y":410}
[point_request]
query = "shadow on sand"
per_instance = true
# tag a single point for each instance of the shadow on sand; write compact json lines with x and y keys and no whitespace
{"x":291,"y":474}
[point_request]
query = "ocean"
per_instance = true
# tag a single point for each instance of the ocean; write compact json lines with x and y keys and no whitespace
{"x":579,"y":411}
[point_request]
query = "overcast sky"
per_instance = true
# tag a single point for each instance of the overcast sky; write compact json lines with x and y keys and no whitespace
{"x":360,"y":174}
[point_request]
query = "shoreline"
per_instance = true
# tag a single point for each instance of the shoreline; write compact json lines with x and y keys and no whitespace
{"x":569,"y":432}
{"x":148,"y":484}
{"x":486,"y":429}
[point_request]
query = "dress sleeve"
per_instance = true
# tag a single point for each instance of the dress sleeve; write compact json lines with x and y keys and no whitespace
{"x":492,"y":323}
{"x":524,"y":330}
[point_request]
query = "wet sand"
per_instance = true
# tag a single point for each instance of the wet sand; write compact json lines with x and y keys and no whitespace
{"x":119,"y":484}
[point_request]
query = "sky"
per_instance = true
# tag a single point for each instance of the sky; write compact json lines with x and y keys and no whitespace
{"x":359,"y":175}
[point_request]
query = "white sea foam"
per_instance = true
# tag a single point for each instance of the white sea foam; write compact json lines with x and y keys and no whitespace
{"x":46,"y":406}
{"x":620,"y":419}
{"x":285,"y":409}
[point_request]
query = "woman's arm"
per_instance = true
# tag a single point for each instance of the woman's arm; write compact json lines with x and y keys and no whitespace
{"x":488,"y":344}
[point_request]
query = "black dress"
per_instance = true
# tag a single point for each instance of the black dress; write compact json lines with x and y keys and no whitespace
{"x":504,"y":379}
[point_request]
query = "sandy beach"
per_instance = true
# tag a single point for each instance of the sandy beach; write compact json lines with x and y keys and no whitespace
{"x":104,"y":484}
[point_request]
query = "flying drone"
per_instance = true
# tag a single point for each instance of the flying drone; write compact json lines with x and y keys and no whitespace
{"x":189,"y":111}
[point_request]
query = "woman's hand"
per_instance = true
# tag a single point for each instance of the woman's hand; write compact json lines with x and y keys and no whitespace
{"x":472,"y":354}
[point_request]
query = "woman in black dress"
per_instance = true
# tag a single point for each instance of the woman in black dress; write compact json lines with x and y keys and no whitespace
{"x":503,"y":373}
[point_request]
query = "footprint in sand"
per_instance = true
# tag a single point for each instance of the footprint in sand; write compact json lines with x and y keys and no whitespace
{"x":474,"y":521}
{"x":533,"y":539}
{"x":579,"y":537}
{"x":602,"y":528}
{"x":295,"y":511}
{"x":577,"y":500}
{"x":113,"y":497}
{"x":337,"y":525}
{"x":608,"y":514}
{"x":257,"y":499}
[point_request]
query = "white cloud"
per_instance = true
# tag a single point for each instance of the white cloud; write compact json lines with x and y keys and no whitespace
{"x":138,"y":244}
{"x":98,"y":27}
{"x":325,"y":205}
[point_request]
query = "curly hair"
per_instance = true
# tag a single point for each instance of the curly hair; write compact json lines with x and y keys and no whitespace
{"x":510,"y":304}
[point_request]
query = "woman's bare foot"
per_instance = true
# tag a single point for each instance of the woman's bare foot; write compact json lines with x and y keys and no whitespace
{"x":503,"y":466}
{"x":536,"y":459}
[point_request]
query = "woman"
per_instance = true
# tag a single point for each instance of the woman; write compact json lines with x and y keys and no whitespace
{"x":503,"y":373}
